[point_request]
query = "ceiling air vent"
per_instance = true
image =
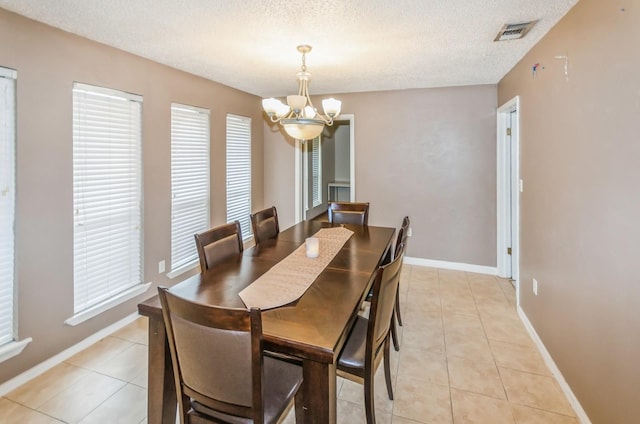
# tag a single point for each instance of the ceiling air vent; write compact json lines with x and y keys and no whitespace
{"x":514,"y":31}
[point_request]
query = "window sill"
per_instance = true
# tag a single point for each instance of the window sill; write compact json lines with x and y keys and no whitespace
{"x":107,"y":304}
{"x":184,"y":268}
{"x":12,"y":349}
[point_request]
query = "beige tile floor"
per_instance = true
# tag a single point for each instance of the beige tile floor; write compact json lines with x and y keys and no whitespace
{"x":465,"y":357}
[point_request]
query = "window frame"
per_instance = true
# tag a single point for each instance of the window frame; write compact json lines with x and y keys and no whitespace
{"x":238,"y":212}
{"x":186,"y":262}
{"x":10,"y":346}
{"x":107,"y":124}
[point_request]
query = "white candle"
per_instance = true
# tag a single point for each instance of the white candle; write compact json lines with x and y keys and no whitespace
{"x":313,"y":247}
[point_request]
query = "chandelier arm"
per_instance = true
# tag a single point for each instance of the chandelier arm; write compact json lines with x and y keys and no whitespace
{"x":305,"y":83}
{"x":326,"y":119}
{"x":275,"y":119}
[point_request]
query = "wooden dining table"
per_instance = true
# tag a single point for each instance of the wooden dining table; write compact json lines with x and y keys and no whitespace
{"x":313,"y":328}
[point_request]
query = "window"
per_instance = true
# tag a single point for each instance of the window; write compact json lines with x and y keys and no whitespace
{"x":107,"y":199}
{"x":316,"y":172}
{"x":189,"y":182}
{"x":7,"y":203}
{"x":239,"y":172}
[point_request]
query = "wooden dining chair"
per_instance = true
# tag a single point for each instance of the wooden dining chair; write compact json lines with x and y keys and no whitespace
{"x":401,"y":243}
{"x":406,"y":221}
{"x":348,"y":213}
{"x":218,"y":244}
{"x":220,"y":372}
{"x":265,"y":224}
{"x":403,"y":234}
{"x":368,"y":342}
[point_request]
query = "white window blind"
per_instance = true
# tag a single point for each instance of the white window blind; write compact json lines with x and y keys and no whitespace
{"x":239,"y":172}
{"x":316,"y":172}
{"x":189,"y":181}
{"x":107,"y":199}
{"x":7,"y":202}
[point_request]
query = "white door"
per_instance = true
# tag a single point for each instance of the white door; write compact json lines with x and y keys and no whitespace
{"x":508,"y":190}
{"x":304,"y":198}
{"x":508,"y":228}
{"x":513,"y":193}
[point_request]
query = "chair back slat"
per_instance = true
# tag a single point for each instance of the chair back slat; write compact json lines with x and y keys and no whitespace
{"x":383,"y":301}
{"x":215,"y":363}
{"x":403,"y":233}
{"x":348,"y":213}
{"x":219,"y":243}
{"x":265,"y":224}
{"x":400,"y":239}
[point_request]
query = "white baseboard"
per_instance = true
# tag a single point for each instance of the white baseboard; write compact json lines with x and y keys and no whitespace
{"x":564,"y":386}
{"x":46,"y":365}
{"x":456,"y":266}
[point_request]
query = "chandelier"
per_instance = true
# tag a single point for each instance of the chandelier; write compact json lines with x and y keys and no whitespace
{"x":299,"y":118}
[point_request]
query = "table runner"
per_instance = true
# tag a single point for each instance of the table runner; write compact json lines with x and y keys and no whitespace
{"x":287,"y":280}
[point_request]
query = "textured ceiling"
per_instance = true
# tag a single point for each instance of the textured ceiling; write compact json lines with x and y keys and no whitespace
{"x":358,"y":45}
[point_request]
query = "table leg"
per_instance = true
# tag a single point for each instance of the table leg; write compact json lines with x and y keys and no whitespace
{"x":319,"y":391}
{"x":161,"y":393}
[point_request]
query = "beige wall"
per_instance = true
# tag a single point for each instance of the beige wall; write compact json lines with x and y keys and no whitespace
{"x":580,"y":161}
{"x":48,"y":61}
{"x":429,"y":154}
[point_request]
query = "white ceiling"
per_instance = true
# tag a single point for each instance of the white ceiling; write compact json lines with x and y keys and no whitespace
{"x":358,"y":45}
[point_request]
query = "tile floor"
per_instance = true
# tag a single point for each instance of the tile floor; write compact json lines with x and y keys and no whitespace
{"x":465,"y":357}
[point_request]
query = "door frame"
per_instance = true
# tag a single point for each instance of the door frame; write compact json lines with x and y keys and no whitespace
{"x":508,"y":191}
{"x":298,"y":168}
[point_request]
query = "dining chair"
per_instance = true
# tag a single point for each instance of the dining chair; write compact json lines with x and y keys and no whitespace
{"x":403,"y":234}
{"x":220,"y":372}
{"x":265,"y":224}
{"x":348,"y":213}
{"x":368,"y":342}
{"x":218,"y":244}
{"x":406,"y":221}
{"x":401,"y":243}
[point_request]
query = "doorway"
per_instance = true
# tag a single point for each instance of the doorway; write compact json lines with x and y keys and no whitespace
{"x":325,"y":169}
{"x":509,"y":186}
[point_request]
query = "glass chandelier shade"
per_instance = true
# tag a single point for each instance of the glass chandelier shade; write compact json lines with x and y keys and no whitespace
{"x":299,"y":118}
